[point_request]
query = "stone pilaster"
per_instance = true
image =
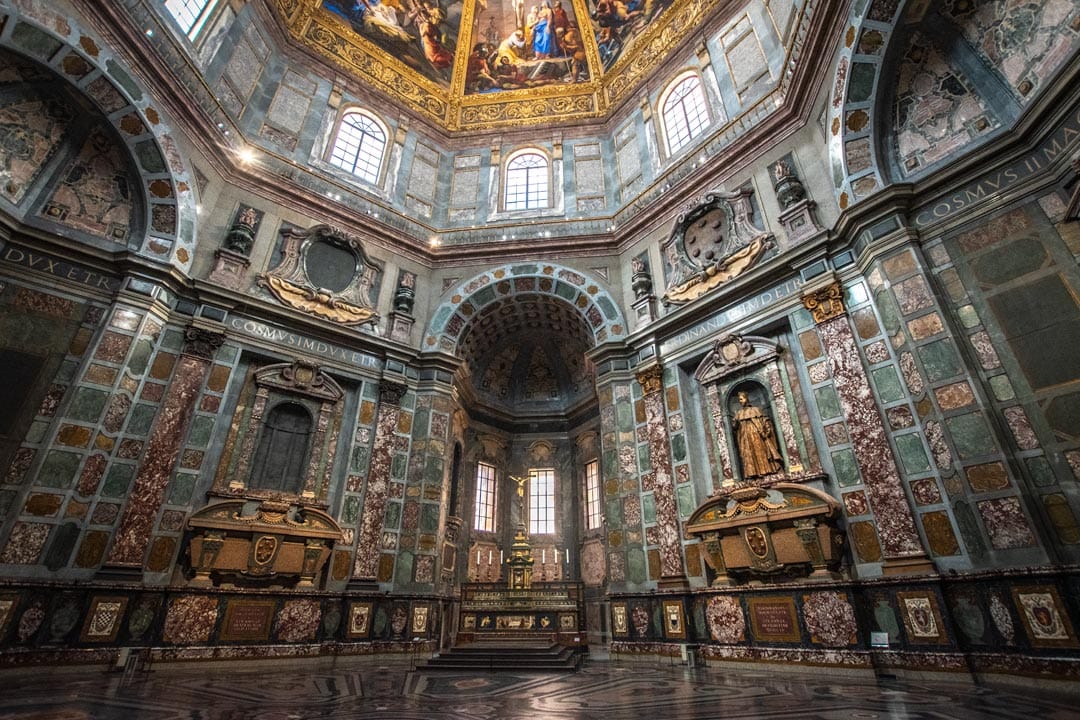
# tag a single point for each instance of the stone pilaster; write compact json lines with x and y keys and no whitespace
{"x":366,"y":566}
{"x":900,"y":543}
{"x":672,"y":571}
{"x":163,"y":448}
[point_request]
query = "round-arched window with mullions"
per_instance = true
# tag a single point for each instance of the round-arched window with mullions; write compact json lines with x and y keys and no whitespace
{"x":329,"y":266}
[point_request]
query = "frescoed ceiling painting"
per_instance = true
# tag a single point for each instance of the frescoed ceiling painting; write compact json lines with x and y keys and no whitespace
{"x":475,"y":64}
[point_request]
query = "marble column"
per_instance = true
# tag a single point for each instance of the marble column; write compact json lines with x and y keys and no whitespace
{"x":168,"y":433}
{"x":365,"y":569}
{"x":900,"y":543}
{"x":672,"y":571}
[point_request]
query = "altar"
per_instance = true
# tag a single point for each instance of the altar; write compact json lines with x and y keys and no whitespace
{"x":545,"y":611}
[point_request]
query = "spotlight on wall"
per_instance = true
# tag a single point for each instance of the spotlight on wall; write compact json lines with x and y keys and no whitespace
{"x":245,"y":155}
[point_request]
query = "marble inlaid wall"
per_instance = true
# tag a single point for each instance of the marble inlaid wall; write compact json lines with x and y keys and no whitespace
{"x":622,"y":481}
{"x":426,"y":491}
{"x":661,"y":443}
{"x":383,"y":498}
{"x":991,"y":272}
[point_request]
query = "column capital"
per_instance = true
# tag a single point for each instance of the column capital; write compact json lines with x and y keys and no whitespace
{"x":825,"y":303}
{"x":651,"y":379}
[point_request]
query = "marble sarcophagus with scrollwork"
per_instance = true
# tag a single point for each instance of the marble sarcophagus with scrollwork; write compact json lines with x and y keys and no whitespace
{"x":272,"y":540}
{"x":770,"y":530}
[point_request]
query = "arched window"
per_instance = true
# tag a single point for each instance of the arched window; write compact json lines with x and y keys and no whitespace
{"x":190,"y":14}
{"x":359,"y":146}
{"x":528,"y":181}
{"x":684,"y":110}
{"x":282,"y":455}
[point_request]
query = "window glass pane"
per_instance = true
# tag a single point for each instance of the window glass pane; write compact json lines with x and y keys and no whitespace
{"x":190,"y":14}
{"x":359,"y":146}
{"x":527,"y":182}
{"x":484,"y":516}
{"x":593,"y":513}
{"x":542,"y":502}
{"x":685,"y":113}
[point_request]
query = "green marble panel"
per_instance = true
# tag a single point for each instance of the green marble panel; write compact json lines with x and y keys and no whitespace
{"x":87,"y":404}
{"x":636,"y":570}
{"x":912,"y":454}
{"x":1042,"y":475}
{"x":227,"y":353}
{"x":370,"y":391}
{"x":429,"y":517}
{"x":397,"y":466}
{"x":174,"y":340}
{"x":970,"y":435}
{"x":1063,"y":414}
{"x":643,"y":458}
{"x":142,"y":418}
{"x":624,"y":417}
{"x":119,"y":478}
{"x":63,"y":543}
{"x":861,"y":83}
{"x":846,"y":468}
{"x":888,"y":384}
{"x":648,"y":508}
{"x":940,"y":360}
{"x":969,"y":317}
{"x":678,"y":447}
{"x":202,"y":429}
{"x":802,"y":319}
{"x":827,"y":401}
{"x":610,"y":462}
{"x":140,"y":355}
{"x":1010,"y":261}
{"x":1036,"y":316}
{"x":59,"y":469}
{"x":359,"y":461}
{"x":180,"y":489}
{"x":351,"y":511}
{"x":684,"y":494}
{"x":35,"y":42}
{"x":888,"y":311}
{"x":404,"y":569}
{"x":67,"y":372}
{"x":393,"y":516}
{"x":1002,"y":388}
{"x":7,"y":498}
{"x":613,"y":513}
{"x":37,"y":431}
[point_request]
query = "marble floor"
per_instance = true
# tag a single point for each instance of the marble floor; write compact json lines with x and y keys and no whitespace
{"x":349,"y":688}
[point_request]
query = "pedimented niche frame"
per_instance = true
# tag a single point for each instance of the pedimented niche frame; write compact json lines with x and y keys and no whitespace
{"x":291,"y":284}
{"x":270,"y":386}
{"x":741,"y":362}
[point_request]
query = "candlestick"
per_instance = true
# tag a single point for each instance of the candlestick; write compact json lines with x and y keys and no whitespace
{"x":500,"y":557}
{"x":567,"y":556}
{"x":489,"y":557}
{"x":543,"y":556}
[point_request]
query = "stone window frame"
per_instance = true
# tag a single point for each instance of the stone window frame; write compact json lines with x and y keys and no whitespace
{"x":702,"y":108}
{"x":336,"y":137}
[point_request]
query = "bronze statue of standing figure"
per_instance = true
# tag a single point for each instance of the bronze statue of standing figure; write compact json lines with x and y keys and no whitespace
{"x":756,"y":440}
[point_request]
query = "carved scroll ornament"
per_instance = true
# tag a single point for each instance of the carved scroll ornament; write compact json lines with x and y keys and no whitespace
{"x":291,"y":281}
{"x":713,"y":242}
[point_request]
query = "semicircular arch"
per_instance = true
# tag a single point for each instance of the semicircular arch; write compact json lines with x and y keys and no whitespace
{"x":591,"y":301}
{"x":76,"y":55}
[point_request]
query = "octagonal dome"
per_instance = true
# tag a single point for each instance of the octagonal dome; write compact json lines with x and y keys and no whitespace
{"x":473,"y":64}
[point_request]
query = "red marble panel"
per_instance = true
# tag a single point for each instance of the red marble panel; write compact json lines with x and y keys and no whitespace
{"x":162,"y":451}
{"x":888,"y":501}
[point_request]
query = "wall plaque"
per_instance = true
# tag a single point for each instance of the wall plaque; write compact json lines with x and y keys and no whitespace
{"x":247,"y":620}
{"x":774,"y":619}
{"x":103,"y":620}
{"x":359,"y":620}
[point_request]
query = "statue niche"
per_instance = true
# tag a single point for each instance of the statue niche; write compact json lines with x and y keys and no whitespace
{"x":266,"y":522}
{"x":713,"y":241}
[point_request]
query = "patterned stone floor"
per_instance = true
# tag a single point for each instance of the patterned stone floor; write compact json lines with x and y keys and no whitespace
{"x":349,"y":689}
